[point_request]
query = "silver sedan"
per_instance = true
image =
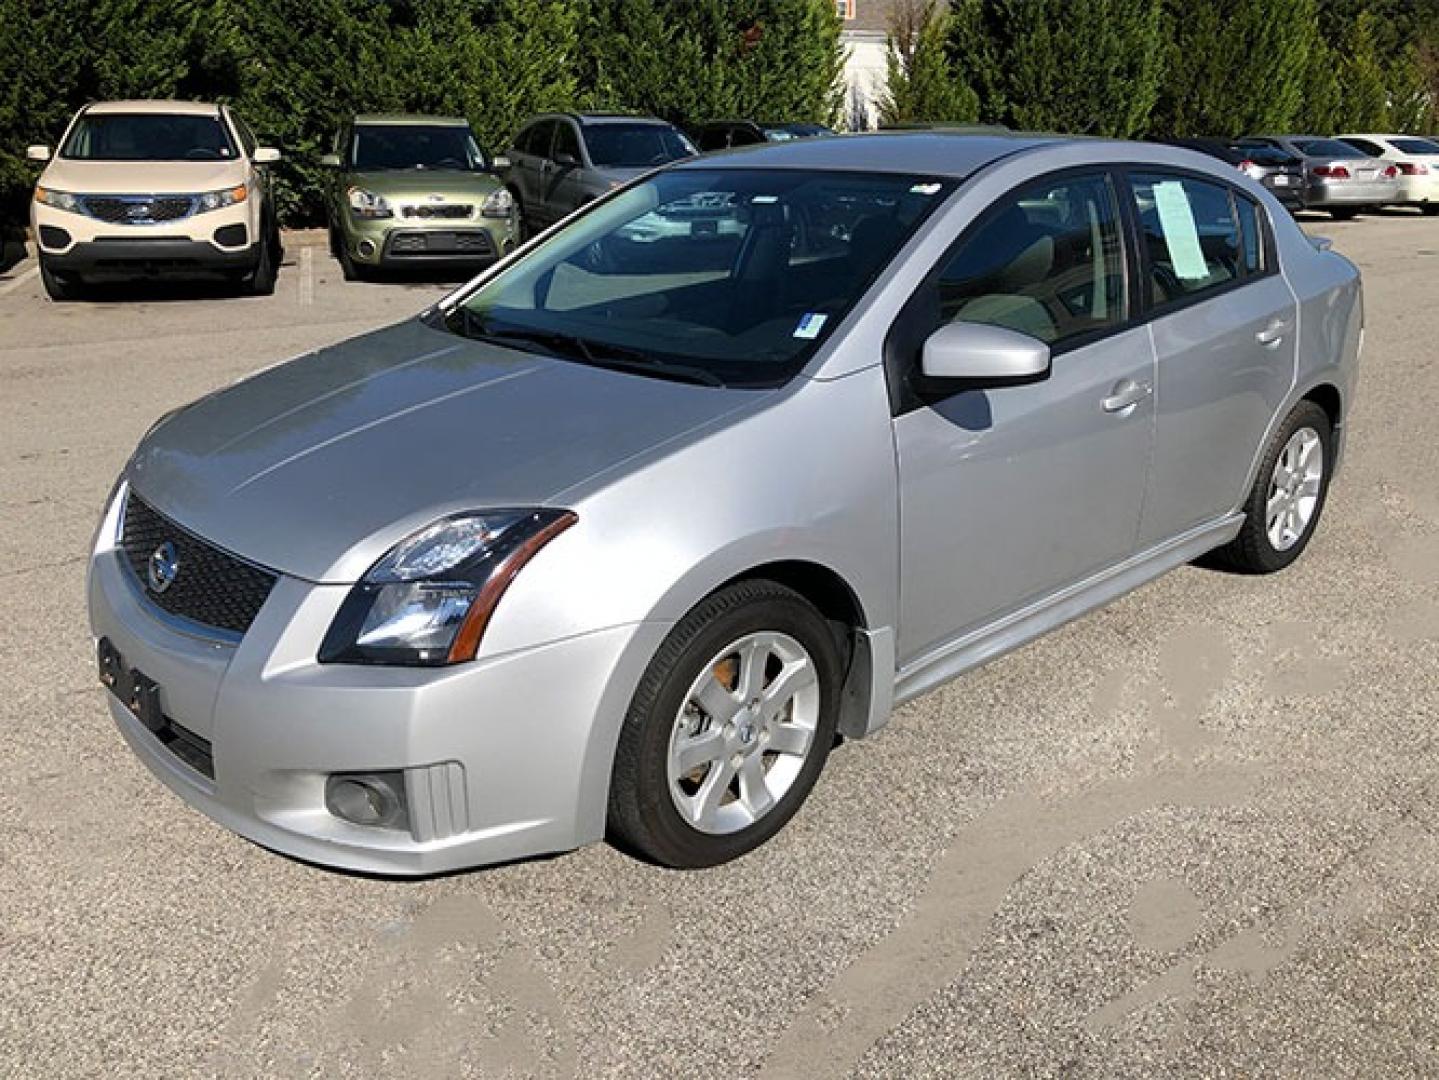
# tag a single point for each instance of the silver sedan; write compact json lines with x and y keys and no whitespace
{"x":621,"y":537}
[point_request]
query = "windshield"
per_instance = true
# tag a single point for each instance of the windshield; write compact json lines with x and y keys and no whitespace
{"x":1415,"y":146}
{"x":148,"y":137}
{"x":414,"y":146}
{"x":1330,"y":148}
{"x":720,"y":276}
{"x":786,"y":132}
{"x":635,"y":146}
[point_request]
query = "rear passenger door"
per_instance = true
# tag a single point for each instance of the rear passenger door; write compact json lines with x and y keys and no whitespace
{"x":1008,"y":494}
{"x":531,"y":150}
{"x":1224,"y":324}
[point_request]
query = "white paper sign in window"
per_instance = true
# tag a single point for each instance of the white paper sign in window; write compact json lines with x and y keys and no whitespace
{"x":1181,"y":235}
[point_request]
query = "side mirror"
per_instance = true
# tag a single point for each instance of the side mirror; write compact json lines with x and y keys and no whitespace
{"x":499,"y":161}
{"x":330,"y":161}
{"x":565,"y":160}
{"x":37,"y":153}
{"x":976,"y":352}
{"x":266,"y":155}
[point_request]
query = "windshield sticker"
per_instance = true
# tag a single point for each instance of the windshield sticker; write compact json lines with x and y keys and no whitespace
{"x":1181,"y":235}
{"x":810,"y":326}
{"x":925,"y":189}
{"x":764,"y":200}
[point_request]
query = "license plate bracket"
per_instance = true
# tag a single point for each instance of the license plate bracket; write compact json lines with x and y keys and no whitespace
{"x":135,"y":690}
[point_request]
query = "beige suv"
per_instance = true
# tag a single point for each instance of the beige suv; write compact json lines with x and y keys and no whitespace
{"x":143,"y":188}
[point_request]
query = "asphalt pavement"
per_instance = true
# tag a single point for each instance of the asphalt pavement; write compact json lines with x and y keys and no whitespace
{"x":1194,"y":834}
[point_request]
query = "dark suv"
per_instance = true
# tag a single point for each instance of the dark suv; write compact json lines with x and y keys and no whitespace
{"x":560,"y":161}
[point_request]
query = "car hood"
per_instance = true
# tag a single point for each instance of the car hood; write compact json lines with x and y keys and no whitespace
{"x":318,"y":466}
{"x":454,"y":184}
{"x":141,"y":177}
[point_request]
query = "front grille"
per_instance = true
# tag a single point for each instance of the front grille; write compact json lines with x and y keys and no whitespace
{"x":138,"y":209}
{"x":438,"y":210}
{"x":472,"y":243}
{"x":210,"y":586}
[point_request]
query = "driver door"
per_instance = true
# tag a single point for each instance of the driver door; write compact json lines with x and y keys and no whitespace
{"x":1008,"y":494}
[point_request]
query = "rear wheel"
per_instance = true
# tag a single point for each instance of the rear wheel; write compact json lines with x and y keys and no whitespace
{"x":1344,"y":213}
{"x":59,"y":287}
{"x":1430,"y":209}
{"x":1284,"y":506}
{"x":729,"y":729}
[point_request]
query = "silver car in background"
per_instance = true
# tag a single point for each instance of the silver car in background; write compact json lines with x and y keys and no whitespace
{"x":1337,"y":177}
{"x":621,"y":537}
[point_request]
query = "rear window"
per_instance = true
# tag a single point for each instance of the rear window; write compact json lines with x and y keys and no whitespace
{"x":1415,"y":146}
{"x":1330,"y":148}
{"x":148,"y":137}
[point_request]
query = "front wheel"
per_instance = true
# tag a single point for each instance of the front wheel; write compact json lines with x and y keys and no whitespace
{"x":262,"y":279}
{"x":729,"y":728}
{"x":1430,"y":209}
{"x":1288,"y":496}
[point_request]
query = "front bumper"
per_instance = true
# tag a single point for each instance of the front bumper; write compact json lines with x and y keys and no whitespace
{"x":503,"y":758}
{"x":128,"y":256}
{"x":217,"y":241}
{"x":397,"y":243}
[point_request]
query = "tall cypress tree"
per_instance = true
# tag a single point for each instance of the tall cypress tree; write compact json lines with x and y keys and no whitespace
{"x":1363,"y":92}
{"x":1205,"y":92}
{"x":922,"y":83}
{"x":1083,"y":66}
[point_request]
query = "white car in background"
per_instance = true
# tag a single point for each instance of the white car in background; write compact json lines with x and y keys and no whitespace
{"x":144,"y":188}
{"x":1417,"y":161}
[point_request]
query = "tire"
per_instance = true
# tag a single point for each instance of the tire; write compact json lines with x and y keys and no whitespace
{"x":1430,"y":209}
{"x":261,"y":281}
{"x":60,"y":288}
{"x":522,"y":225}
{"x":349,"y":268}
{"x":1344,"y":213}
{"x":1254,"y":550}
{"x":700,"y":655}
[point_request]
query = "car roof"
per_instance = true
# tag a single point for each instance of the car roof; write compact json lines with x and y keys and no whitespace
{"x":173,"y":108}
{"x":927,"y":153}
{"x":411,"y":119}
{"x":613,"y":118}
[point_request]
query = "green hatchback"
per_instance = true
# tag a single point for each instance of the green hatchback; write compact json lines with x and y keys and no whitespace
{"x":413,"y":191}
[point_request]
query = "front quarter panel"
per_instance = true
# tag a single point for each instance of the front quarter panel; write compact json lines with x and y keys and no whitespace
{"x":809,"y":475}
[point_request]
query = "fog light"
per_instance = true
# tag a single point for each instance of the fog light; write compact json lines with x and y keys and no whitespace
{"x":367,"y":248}
{"x":376,"y":800}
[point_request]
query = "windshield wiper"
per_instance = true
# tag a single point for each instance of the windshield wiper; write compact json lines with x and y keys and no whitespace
{"x":599,"y":353}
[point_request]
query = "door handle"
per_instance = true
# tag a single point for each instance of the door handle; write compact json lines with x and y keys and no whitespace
{"x":1126,"y":394}
{"x":1273,"y":334}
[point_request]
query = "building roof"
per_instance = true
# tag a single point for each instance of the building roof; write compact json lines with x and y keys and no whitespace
{"x":923,"y":153}
{"x":172,"y":108}
{"x":871,"y":16}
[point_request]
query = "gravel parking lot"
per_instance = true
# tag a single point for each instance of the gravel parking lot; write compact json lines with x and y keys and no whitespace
{"x":1194,"y":834}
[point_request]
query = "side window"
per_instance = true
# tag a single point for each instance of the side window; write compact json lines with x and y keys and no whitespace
{"x":566,"y":141}
{"x":1365,"y":146}
{"x":714,"y":138}
{"x":1251,"y":231}
{"x":1048,"y":262}
{"x":1190,"y":234}
{"x":540,"y":137}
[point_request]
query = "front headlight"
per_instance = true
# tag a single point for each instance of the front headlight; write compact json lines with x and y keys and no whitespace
{"x":500,"y":204}
{"x":427,"y":602}
{"x":368,"y":205}
{"x":218,"y":200}
{"x":60,"y":200}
